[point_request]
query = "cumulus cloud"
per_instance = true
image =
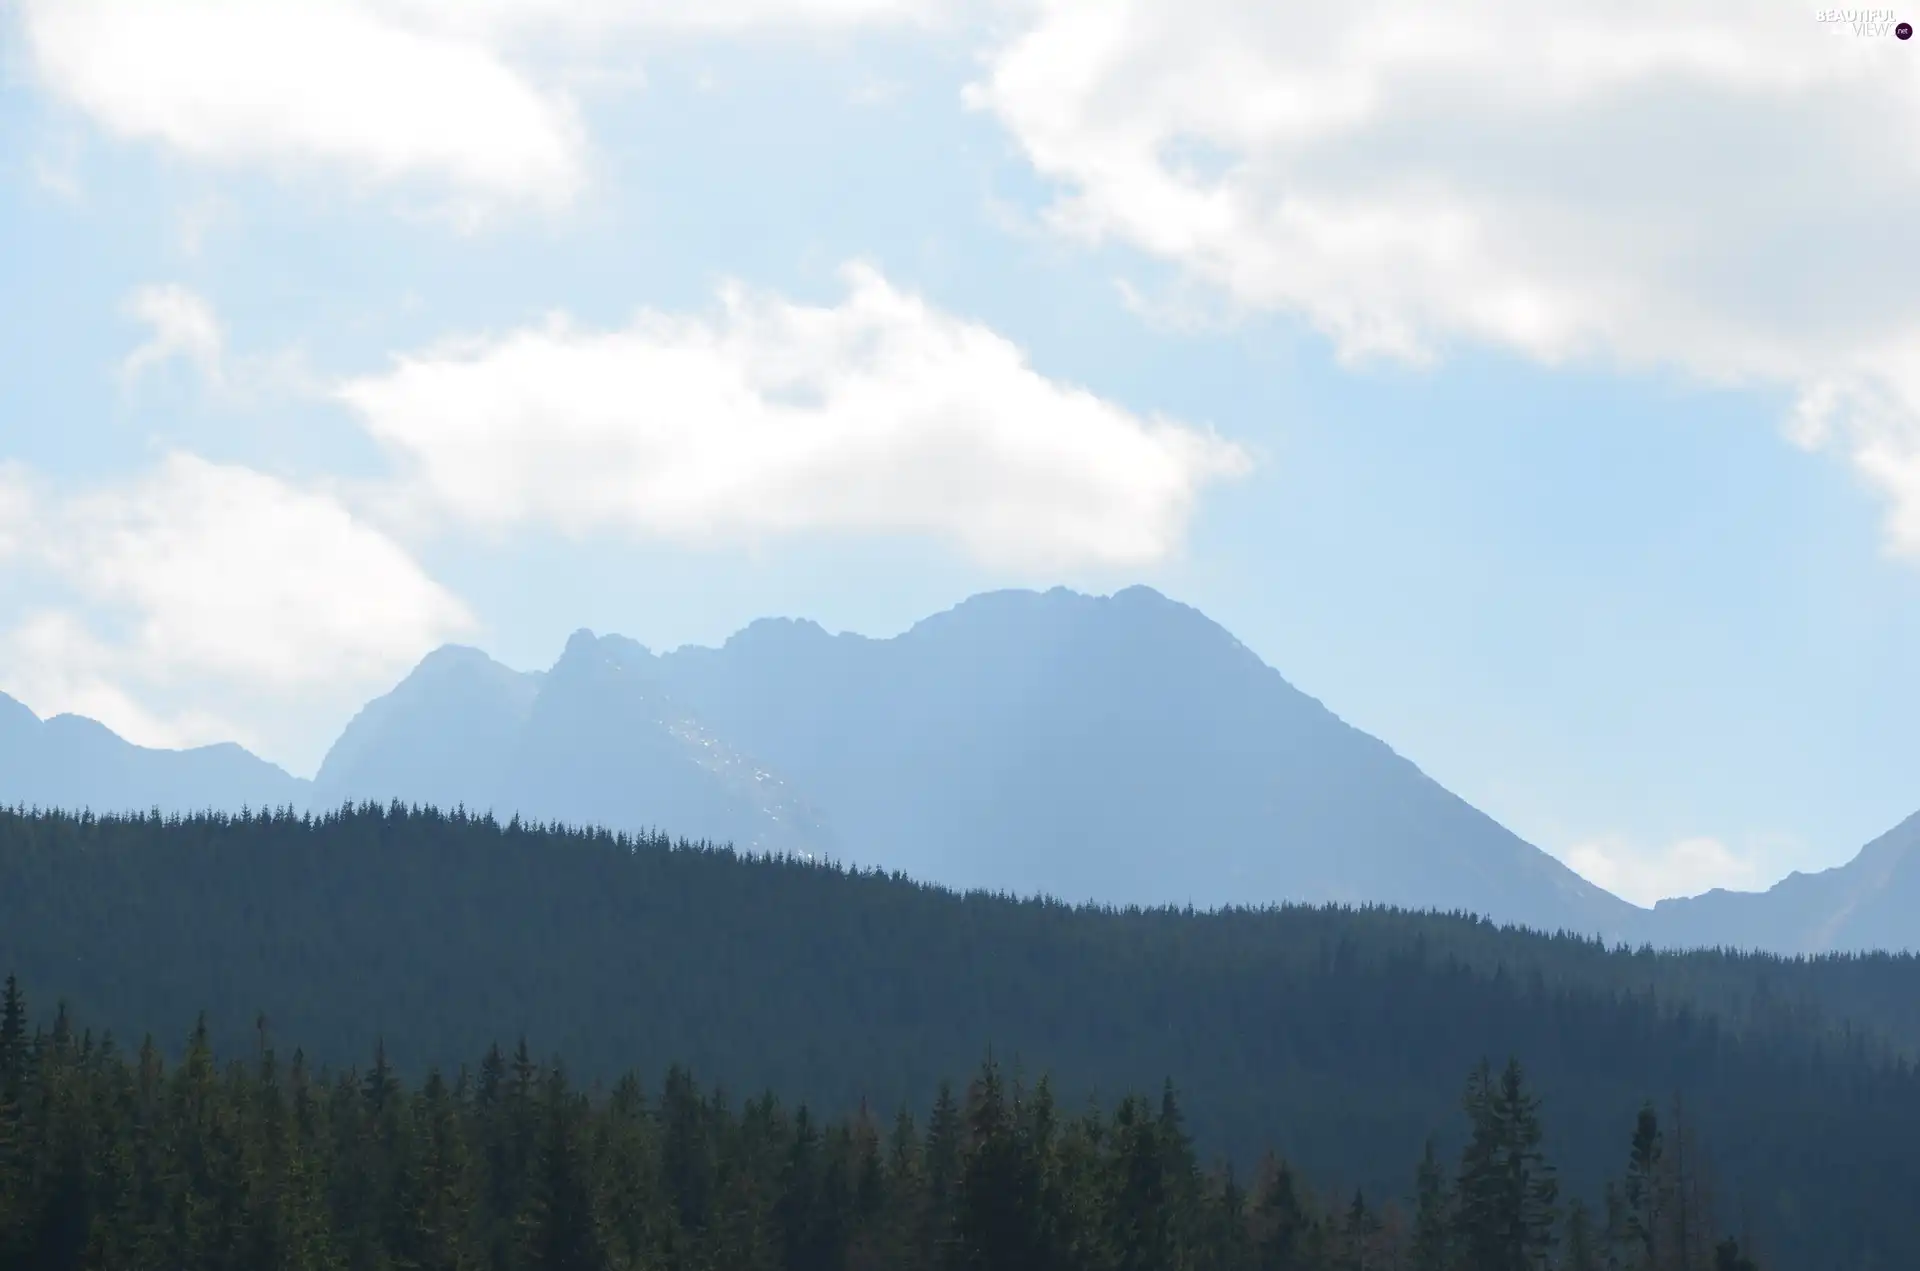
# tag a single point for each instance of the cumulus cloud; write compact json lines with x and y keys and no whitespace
{"x":209,"y":577}
{"x":879,"y":414}
{"x":1644,"y":874}
{"x":438,"y":91}
{"x":16,"y":508}
{"x":292,"y":81}
{"x":602,"y":18}
{"x":180,"y":324}
{"x":1726,"y":189}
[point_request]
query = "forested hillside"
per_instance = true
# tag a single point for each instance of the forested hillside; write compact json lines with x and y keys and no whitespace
{"x":110,"y":1160}
{"x":1337,"y":1037}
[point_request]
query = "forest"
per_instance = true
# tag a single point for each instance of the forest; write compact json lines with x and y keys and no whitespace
{"x":110,"y":1160}
{"x":1335,"y":1038}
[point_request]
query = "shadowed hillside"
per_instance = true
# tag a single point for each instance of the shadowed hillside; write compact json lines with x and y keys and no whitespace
{"x":1339,"y":1036}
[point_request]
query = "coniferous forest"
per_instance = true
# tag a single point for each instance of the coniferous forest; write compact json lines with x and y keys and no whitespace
{"x":111,"y":1159}
{"x":1681,"y":1099}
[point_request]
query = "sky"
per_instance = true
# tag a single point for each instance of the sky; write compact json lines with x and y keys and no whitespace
{"x":1536,"y":385}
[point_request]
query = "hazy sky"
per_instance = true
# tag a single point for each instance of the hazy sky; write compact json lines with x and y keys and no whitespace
{"x":1537,"y":386}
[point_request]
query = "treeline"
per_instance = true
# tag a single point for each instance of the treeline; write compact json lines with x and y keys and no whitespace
{"x":112,"y":1162}
{"x":1336,"y":1036}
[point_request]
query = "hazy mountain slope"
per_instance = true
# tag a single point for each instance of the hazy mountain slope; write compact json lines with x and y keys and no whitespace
{"x":71,"y":762}
{"x":593,"y":741}
{"x":1123,"y":749}
{"x":605,"y":745}
{"x":444,"y":736}
{"x":1871,"y":902}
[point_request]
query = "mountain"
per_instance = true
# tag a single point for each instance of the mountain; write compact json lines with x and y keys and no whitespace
{"x":594,"y":741}
{"x":445,"y":736}
{"x":1871,"y":902}
{"x":71,"y":762}
{"x":1121,"y":749}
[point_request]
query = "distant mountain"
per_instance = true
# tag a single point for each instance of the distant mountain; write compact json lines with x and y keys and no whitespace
{"x":71,"y":762}
{"x":1871,"y":902}
{"x":446,"y":736}
{"x":594,"y":741}
{"x":1121,"y":749}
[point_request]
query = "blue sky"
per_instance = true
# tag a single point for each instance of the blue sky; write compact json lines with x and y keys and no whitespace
{"x":1538,"y":387}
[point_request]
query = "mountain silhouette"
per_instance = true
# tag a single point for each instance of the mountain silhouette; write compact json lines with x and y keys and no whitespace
{"x":594,"y":741}
{"x":72,"y":762}
{"x":1871,"y":902}
{"x":1123,"y":749}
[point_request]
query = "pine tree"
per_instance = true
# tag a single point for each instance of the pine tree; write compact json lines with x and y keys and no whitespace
{"x":1284,"y":1229}
{"x":687,"y":1164}
{"x":1357,"y":1234}
{"x":637,"y":1220}
{"x":1583,"y":1244}
{"x":1504,"y":1216}
{"x":997,"y":1219}
{"x":888,"y":1240}
{"x":13,"y":1045}
{"x":561,"y":1225}
{"x":1430,"y":1250}
{"x":943,"y":1161}
{"x":13,"y":1159}
{"x":435,"y":1185}
{"x":1641,"y":1198}
{"x":1687,"y":1192}
{"x":121,"y":1163}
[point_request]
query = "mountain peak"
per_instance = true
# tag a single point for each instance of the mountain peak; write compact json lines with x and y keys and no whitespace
{"x":455,"y":655}
{"x":584,"y":647}
{"x":16,"y":713}
{"x":770,"y":630}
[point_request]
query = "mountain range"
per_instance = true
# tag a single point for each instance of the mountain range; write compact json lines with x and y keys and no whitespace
{"x":1123,"y":749}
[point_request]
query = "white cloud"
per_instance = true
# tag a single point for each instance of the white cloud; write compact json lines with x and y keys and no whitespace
{"x":1726,"y":189}
{"x":215,"y":581}
{"x":1644,"y":874}
{"x":180,"y":324}
{"x":443,"y":91}
{"x":16,"y":508}
{"x":880,"y":414}
{"x":601,"y":18}
{"x":298,"y":81}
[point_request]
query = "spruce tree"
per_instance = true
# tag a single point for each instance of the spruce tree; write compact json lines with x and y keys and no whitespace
{"x":1583,"y":1243}
{"x":1642,"y":1201}
{"x":561,"y":1224}
{"x":943,"y":1161}
{"x":1283,"y":1225}
{"x":1431,"y":1221}
{"x":1504,"y":1213}
{"x":996,"y":1217}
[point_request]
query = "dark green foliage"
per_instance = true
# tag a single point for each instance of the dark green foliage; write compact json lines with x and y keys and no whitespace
{"x":1340,"y":1034}
{"x":250,"y":1167}
{"x":1504,"y":1203}
{"x":1431,"y":1227}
